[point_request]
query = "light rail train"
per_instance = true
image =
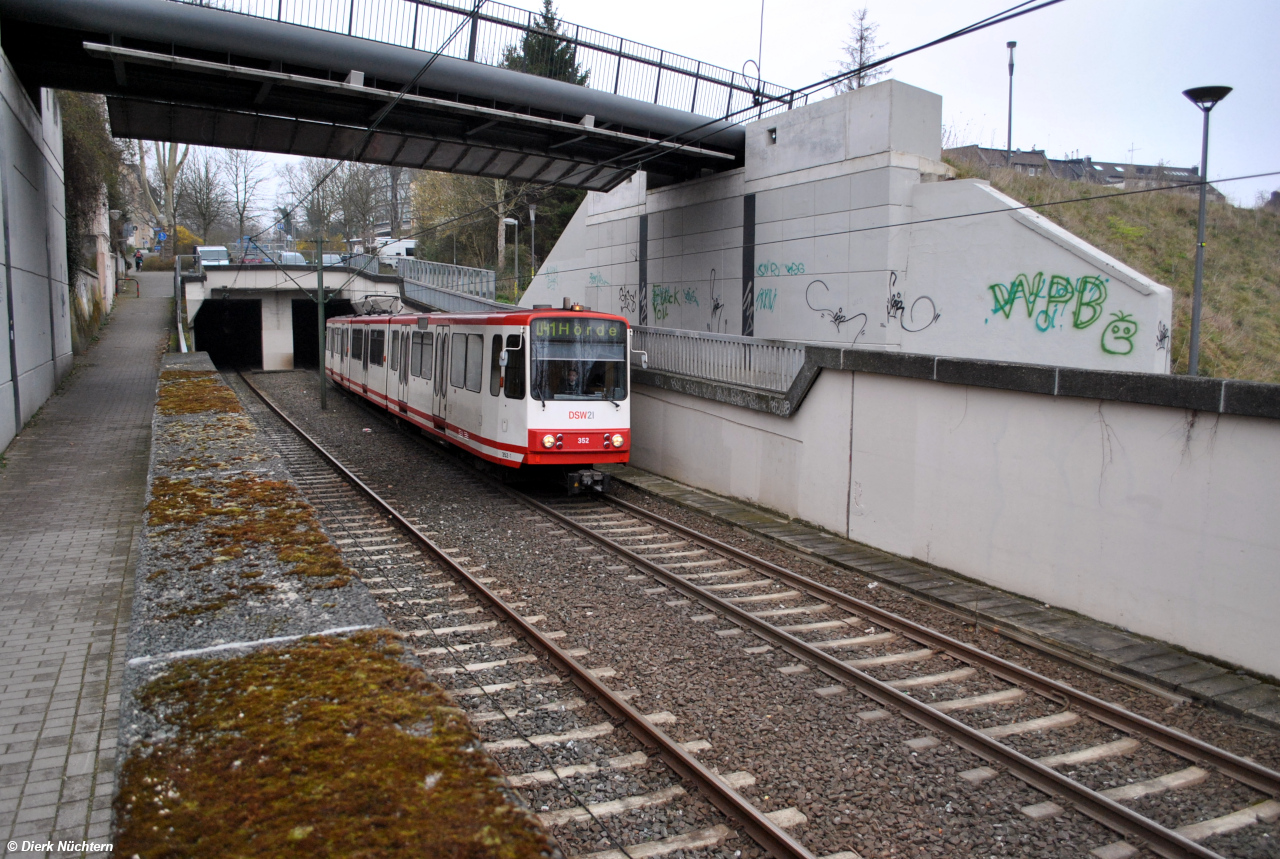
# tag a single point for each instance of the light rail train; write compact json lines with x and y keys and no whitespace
{"x":538,"y":390}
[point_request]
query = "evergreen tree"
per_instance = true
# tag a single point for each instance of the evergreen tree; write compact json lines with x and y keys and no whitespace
{"x":544,"y":52}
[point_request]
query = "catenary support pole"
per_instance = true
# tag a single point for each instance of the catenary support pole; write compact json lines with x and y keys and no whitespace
{"x":320,"y":319}
{"x":1193,"y":362}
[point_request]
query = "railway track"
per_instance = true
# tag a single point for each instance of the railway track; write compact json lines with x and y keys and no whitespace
{"x":485,"y":636}
{"x":952,"y":691}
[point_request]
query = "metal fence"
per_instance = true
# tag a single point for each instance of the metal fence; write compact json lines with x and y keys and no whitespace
{"x":363,"y":263}
{"x":770,"y":365}
{"x":500,"y":35}
{"x":479,"y":282}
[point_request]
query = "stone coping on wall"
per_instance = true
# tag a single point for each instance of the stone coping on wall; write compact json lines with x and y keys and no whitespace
{"x":1223,"y":396}
{"x":1114,"y":652}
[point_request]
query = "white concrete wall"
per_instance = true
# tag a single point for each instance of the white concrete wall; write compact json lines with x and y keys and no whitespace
{"x":35,"y":298}
{"x":846,"y":251}
{"x":277,"y":331}
{"x":1156,"y":519}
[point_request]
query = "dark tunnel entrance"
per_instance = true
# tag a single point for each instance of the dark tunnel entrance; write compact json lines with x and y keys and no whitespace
{"x":306,"y":340}
{"x":231,"y":332}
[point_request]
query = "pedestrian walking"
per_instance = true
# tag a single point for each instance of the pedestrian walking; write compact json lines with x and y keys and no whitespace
{"x":137,"y":260}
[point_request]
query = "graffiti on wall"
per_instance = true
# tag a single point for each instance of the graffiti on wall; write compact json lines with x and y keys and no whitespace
{"x":718,"y":323}
{"x":1117,"y":336}
{"x":690,"y":296}
{"x":595,"y":279}
{"x":1162,"y":336}
{"x":1053,"y":301}
{"x":765,"y":298}
{"x":1058,"y":302}
{"x":626,"y":300}
{"x":663,"y":298}
{"x":837,"y":316}
{"x":922,"y":313}
{"x":773,"y":269}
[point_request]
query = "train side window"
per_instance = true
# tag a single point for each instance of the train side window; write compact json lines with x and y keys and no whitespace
{"x":357,"y":344}
{"x":495,"y":370}
{"x":415,"y":353}
{"x":475,"y":362}
{"x":458,"y":361}
{"x":428,"y":355}
{"x":377,"y":347}
{"x":515,"y":367}
{"x":395,"y":350}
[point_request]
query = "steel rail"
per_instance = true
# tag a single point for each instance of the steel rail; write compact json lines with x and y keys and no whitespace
{"x":772,"y":838}
{"x":1245,"y":771}
{"x":1163,"y":841}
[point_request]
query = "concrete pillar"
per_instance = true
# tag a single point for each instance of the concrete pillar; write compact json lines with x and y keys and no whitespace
{"x":277,"y":331}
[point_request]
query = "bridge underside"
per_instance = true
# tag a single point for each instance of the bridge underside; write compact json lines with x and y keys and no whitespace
{"x":193,"y":91}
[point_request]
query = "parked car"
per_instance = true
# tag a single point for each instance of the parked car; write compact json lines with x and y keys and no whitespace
{"x":334,"y":259}
{"x":213,"y":255}
{"x":292,"y":258}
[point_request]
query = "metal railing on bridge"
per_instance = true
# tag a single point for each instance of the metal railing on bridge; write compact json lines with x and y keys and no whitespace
{"x":769,"y":365}
{"x":500,"y":35}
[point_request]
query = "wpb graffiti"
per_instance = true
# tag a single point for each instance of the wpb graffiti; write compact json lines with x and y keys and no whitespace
{"x":1051,"y":302}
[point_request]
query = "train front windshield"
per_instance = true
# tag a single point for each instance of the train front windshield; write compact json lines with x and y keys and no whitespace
{"x":579,"y":359}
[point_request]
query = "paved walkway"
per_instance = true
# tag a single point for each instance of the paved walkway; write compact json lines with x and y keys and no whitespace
{"x":1107,"y":648}
{"x":71,"y":497}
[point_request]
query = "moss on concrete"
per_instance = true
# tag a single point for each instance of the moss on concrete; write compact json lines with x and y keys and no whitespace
{"x":333,"y":747}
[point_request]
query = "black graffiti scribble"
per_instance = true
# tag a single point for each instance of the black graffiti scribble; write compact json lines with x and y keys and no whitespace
{"x":894,"y":305}
{"x":717,"y":308}
{"x":929,"y":316}
{"x":626,"y":300}
{"x":1162,"y":336}
{"x":836,"y":317}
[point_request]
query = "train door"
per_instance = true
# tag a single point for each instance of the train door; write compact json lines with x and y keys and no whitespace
{"x":439,"y":390}
{"x":402,"y":386}
{"x":364,"y":359}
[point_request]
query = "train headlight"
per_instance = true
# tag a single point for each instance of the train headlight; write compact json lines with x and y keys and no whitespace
{"x":548,"y":441}
{"x":617,"y":440}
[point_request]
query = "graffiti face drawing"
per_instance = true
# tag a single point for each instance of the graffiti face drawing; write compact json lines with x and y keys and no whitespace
{"x":1117,"y":337}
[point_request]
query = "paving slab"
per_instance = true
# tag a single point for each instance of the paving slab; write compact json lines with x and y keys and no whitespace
{"x":71,"y":498}
{"x":1153,"y":662}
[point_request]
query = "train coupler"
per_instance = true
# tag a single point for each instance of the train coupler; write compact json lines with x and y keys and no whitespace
{"x":588,"y":478}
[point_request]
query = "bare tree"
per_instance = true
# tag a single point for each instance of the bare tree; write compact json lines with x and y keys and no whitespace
{"x":244,"y":173}
{"x":360,"y":200}
{"x":202,"y":196}
{"x":167,"y":169}
{"x":862,"y":49}
{"x":395,"y":208}
{"x":314,"y":193}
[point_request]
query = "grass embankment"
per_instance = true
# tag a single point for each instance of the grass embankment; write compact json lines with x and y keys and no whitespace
{"x":326,"y":747}
{"x":1155,"y":233}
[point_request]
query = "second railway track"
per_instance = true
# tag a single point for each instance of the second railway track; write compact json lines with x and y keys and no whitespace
{"x":948,"y":704}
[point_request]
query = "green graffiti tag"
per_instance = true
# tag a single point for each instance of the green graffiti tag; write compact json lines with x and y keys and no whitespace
{"x":765,"y":298}
{"x":1117,"y":336}
{"x":691,"y":296}
{"x":1047,"y":303}
{"x":663,"y":298}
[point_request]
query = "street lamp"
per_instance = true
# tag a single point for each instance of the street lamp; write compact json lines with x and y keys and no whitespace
{"x":512,"y":222}
{"x":1205,"y":98}
{"x":533,"y":240}
{"x":1008,"y":147}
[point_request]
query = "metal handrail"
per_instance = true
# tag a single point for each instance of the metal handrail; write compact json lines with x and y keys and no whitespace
{"x":610,"y":63}
{"x":480,"y":282}
{"x":770,"y":365}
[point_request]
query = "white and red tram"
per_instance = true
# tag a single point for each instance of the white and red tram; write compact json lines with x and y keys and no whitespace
{"x":540,"y":389}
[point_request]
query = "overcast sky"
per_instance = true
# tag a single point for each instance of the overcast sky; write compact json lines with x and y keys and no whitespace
{"x":1092,"y":76}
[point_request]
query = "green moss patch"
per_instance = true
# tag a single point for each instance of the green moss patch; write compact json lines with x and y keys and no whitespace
{"x":188,"y":392}
{"x":332,"y":747}
{"x":245,"y":512}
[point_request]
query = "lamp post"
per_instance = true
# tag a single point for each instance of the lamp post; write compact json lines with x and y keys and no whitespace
{"x":1008,"y":147}
{"x":512,"y":222}
{"x":1205,"y":98}
{"x":533,"y":240}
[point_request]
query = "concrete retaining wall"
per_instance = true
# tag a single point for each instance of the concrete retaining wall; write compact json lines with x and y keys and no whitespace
{"x":841,"y":229}
{"x":1154,"y":518}
{"x":34,"y":298}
